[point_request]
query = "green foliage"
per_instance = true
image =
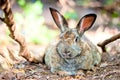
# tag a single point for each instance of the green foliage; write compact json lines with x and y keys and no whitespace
{"x":83,"y":2}
{"x":86,"y":2}
{"x":31,"y":23}
{"x":31,"y":8}
{"x":108,"y":2}
{"x":21,"y":2}
{"x":71,"y":15}
{"x":115,"y":14}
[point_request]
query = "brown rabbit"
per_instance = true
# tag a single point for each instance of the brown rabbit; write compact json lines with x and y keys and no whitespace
{"x":73,"y":51}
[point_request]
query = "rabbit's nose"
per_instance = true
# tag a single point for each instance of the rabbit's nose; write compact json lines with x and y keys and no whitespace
{"x":67,"y":53}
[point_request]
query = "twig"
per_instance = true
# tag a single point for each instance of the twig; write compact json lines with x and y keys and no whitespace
{"x":9,"y":20}
{"x":110,"y":72}
{"x":102,"y":76}
{"x":107,"y":41}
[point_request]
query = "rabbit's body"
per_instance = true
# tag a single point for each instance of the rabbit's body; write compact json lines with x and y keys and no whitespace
{"x":73,"y":51}
{"x":86,"y":60}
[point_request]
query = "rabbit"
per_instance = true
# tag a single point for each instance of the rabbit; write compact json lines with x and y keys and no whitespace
{"x":73,"y":51}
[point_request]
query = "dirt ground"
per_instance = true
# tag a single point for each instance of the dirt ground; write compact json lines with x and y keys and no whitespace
{"x":109,"y":69}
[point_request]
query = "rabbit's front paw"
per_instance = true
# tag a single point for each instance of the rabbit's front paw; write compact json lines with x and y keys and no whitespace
{"x":59,"y":72}
{"x":62,"y":73}
{"x":81,"y":72}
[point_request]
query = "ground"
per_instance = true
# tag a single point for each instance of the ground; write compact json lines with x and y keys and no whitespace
{"x":109,"y":69}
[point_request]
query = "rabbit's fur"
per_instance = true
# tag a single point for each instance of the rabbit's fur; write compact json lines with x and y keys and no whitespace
{"x":73,"y":51}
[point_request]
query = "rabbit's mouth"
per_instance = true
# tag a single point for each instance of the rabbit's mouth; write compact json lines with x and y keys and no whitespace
{"x":69,"y":55}
{"x":68,"y":52}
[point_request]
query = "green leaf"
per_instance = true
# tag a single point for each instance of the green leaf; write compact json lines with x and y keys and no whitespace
{"x":115,"y":14}
{"x":21,"y":2}
{"x":71,"y":15}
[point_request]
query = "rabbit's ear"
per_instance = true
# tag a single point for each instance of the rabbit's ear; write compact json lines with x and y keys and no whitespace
{"x":59,"y":19}
{"x":86,"y":22}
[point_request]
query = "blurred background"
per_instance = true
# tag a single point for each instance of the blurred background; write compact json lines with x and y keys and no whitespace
{"x":34,"y":21}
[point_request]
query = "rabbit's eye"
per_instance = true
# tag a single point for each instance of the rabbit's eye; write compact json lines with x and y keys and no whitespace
{"x":76,"y":39}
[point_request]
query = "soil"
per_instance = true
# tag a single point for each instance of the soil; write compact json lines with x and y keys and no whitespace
{"x":109,"y":69}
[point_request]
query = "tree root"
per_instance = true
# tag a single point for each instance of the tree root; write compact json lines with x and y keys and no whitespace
{"x":107,"y":41}
{"x":9,"y":21}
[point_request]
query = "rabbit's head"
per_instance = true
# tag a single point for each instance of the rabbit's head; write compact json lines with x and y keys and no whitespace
{"x":70,"y":38}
